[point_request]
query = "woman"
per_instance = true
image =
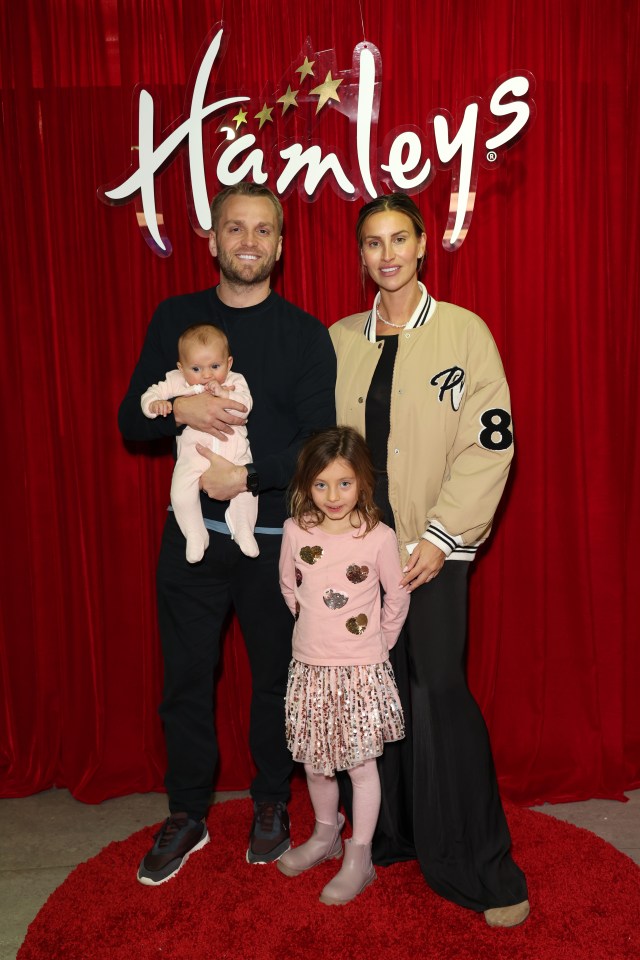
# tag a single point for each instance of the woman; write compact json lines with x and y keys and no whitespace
{"x":423,"y":381}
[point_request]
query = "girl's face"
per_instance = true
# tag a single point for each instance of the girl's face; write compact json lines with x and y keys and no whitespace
{"x":391,"y":250}
{"x":335,"y":492}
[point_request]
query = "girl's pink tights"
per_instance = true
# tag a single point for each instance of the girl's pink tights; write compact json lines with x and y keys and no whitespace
{"x":366,"y":798}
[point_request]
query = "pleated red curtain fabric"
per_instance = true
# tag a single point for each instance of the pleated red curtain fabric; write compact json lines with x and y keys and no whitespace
{"x":549,"y":262}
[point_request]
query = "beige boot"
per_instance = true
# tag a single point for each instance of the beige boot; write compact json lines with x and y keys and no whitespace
{"x":355,"y":874}
{"x":507,"y":916}
{"x":324,"y":843}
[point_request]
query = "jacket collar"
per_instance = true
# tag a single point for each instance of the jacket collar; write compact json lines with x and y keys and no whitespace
{"x":421,"y":315}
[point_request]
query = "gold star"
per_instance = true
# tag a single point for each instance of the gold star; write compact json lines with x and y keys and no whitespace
{"x":305,"y":69}
{"x":264,"y":116}
{"x":326,"y":91}
{"x":240,"y":117}
{"x":288,"y":100}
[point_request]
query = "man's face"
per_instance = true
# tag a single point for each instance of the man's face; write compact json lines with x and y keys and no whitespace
{"x":247,"y":241}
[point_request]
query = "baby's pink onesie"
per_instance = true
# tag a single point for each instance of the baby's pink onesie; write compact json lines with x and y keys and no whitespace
{"x":242,"y":512}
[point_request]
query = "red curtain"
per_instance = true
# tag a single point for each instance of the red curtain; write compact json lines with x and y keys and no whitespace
{"x":549,"y":262}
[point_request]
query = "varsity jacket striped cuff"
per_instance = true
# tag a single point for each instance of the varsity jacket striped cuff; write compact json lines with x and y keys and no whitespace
{"x":452,"y":547}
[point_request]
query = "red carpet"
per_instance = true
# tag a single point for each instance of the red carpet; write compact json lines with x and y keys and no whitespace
{"x":585,"y":899}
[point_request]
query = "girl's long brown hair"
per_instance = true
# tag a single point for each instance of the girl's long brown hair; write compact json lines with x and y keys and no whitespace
{"x":337,"y":443}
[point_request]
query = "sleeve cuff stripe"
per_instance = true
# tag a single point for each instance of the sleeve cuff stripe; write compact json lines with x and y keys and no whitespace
{"x":441,"y":535}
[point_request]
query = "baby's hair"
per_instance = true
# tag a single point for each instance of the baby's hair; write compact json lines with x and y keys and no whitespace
{"x":336,"y":443}
{"x":204,"y":334}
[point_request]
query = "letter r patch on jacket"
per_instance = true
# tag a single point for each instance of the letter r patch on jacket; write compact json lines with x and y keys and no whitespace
{"x":453,"y":382}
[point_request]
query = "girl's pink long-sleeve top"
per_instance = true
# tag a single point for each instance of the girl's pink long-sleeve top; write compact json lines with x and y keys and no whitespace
{"x":332,"y":582}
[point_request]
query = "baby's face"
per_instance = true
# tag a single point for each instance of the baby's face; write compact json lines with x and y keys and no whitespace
{"x":202,"y":363}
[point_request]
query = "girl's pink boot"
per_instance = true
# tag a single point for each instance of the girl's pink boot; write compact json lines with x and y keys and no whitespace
{"x":355,"y":874}
{"x":323,"y":844}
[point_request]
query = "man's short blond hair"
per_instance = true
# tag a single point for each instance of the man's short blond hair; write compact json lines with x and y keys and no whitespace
{"x":244,"y":189}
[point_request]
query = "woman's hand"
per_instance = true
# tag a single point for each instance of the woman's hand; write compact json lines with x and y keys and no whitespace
{"x":423,"y":565}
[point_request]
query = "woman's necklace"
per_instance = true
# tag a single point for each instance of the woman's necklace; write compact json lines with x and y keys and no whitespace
{"x":396,"y":326}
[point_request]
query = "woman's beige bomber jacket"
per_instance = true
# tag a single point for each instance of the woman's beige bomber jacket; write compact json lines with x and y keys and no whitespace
{"x":451,"y":437}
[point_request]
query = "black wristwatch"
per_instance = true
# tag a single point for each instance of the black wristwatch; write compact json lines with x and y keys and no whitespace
{"x":252,"y":479}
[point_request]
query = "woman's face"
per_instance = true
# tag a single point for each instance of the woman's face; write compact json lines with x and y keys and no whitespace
{"x":391,"y":250}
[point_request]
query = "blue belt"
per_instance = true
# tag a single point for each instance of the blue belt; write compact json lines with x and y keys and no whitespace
{"x":219,"y":526}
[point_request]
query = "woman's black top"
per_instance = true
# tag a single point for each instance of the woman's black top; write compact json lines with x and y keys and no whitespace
{"x":378,"y":423}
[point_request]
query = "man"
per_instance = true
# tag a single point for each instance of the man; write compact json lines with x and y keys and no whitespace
{"x":288,"y":361}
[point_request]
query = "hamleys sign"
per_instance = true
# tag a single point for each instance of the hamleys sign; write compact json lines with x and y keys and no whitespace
{"x":281,"y":144}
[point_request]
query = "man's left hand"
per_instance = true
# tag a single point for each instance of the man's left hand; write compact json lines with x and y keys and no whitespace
{"x":222,"y":480}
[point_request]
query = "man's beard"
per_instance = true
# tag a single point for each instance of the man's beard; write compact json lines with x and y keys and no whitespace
{"x":247,"y":275}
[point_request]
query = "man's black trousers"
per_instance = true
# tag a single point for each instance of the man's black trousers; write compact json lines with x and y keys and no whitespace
{"x":193,"y":603}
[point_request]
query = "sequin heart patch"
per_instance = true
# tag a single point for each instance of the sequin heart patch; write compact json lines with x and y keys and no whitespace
{"x":298,"y":576}
{"x":357,"y":624}
{"x":356,"y":574}
{"x":334,"y":600}
{"x":310,"y":554}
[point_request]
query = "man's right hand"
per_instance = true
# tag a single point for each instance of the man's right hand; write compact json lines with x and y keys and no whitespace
{"x":209,"y":414}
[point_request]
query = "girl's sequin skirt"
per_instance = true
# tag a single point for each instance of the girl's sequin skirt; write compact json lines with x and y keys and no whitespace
{"x":338,"y":717}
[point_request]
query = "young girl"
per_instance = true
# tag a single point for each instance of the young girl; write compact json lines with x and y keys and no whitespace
{"x":342,"y":702}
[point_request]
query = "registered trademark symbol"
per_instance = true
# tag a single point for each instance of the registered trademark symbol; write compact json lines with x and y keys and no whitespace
{"x":492,"y":156}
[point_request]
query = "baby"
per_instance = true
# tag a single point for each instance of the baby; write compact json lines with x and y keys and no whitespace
{"x":205,"y":364}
